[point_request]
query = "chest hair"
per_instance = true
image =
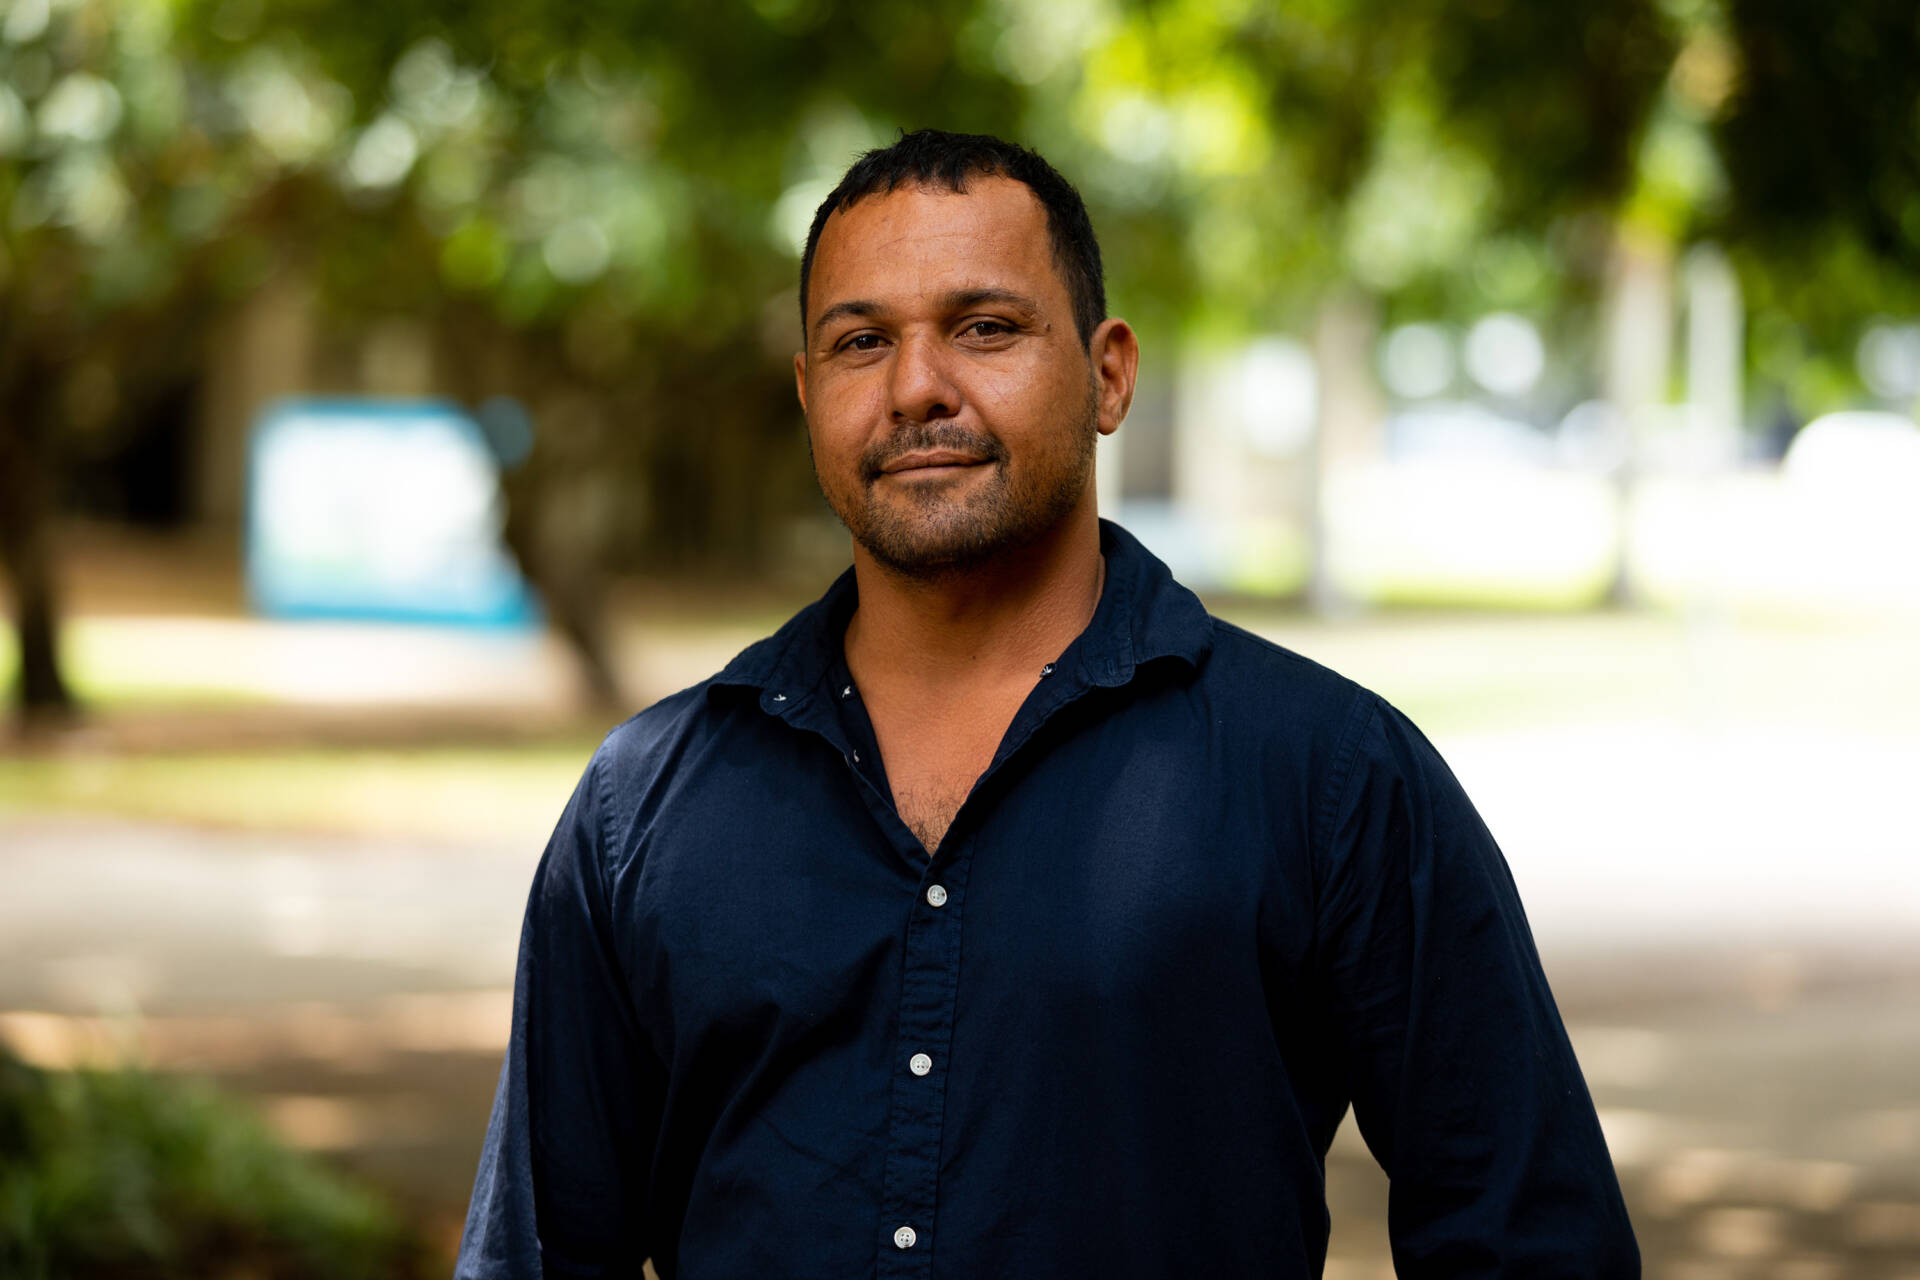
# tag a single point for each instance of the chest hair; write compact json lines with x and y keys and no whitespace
{"x":928,"y":806}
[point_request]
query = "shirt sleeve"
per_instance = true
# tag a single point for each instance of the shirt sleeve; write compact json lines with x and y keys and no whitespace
{"x":561,"y":1190}
{"x":1463,"y":1081}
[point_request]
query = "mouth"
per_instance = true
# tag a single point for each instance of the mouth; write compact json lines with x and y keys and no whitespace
{"x":932,"y":462}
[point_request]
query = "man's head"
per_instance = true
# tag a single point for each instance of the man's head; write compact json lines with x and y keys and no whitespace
{"x":934,"y":158}
{"x":958,"y":364}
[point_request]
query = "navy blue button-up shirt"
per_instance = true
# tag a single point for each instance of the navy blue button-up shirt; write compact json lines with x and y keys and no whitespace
{"x":1206,"y":895}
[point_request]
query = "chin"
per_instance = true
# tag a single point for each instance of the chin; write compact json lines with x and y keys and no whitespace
{"x":930,"y":557}
{"x":922,"y":545}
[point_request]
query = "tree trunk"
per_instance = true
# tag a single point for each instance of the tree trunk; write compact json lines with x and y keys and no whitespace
{"x":550,"y":528}
{"x":40,"y":691}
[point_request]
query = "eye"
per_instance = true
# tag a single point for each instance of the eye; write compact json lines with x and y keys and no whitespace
{"x":987,"y":329}
{"x":862,"y":342}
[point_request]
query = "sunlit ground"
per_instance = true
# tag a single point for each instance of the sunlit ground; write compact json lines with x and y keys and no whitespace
{"x":294,"y":858}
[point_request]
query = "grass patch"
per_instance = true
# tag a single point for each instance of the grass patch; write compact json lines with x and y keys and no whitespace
{"x":120,"y":1173}
{"x":105,"y":666}
{"x":479,"y":795}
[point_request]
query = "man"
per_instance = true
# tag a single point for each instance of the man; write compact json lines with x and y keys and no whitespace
{"x":1004,"y":914}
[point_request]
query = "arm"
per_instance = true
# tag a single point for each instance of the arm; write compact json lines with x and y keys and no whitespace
{"x":1463,"y":1082}
{"x":561,"y":1190}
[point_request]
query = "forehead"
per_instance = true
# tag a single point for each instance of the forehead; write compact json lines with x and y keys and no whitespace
{"x":928,"y":241}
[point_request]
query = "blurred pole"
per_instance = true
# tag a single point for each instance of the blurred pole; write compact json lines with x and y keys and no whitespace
{"x":1714,"y":372}
{"x":1346,"y":427}
{"x":1638,"y":365}
{"x":1714,"y":356}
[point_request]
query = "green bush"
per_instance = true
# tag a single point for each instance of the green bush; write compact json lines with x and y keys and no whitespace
{"x":124,"y":1174}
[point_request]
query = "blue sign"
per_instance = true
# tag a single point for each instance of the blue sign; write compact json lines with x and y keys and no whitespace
{"x":378,"y":509}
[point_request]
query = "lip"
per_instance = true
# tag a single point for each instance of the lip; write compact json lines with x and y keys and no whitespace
{"x":931,"y":460}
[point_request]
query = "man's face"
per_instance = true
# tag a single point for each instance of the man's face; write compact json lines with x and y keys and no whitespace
{"x":951,"y":407}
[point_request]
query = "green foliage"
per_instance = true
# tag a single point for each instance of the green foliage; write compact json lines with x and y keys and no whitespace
{"x":1819,"y":135}
{"x":597,"y":207}
{"x":1821,"y":132}
{"x":649,"y":166}
{"x":620,"y":157}
{"x":1556,"y":95}
{"x":123,"y":1174}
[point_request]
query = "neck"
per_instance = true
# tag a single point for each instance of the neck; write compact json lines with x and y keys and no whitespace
{"x":999,"y":621}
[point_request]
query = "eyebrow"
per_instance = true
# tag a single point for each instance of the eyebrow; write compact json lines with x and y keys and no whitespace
{"x":958,"y":300}
{"x":857,"y":307}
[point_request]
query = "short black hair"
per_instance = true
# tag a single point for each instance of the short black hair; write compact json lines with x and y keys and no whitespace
{"x":936,"y":158}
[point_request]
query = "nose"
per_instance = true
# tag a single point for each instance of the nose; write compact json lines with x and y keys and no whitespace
{"x":922,"y":387}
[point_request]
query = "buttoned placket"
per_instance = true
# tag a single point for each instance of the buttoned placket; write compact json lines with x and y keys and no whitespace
{"x":931,"y":945}
{"x":929,"y":990}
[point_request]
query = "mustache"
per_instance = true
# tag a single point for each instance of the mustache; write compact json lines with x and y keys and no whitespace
{"x":917,"y":437}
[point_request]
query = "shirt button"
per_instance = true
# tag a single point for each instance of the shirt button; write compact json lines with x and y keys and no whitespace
{"x":920,"y":1064}
{"x":847,"y":692}
{"x":856,"y":757}
{"x":936,"y":895}
{"x":1047,"y":670}
{"x":904,"y":1238}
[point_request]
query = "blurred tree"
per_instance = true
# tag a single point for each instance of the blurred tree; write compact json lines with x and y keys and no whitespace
{"x":1813,"y":116}
{"x":1316,"y":165}
{"x":596,"y":209}
{"x":114,"y":191}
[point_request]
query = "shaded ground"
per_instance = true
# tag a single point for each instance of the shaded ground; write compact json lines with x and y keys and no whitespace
{"x":1776,"y":1139}
{"x":1762,"y":1101}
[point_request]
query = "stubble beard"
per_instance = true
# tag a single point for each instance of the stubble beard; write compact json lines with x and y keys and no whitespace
{"x":930,"y":530}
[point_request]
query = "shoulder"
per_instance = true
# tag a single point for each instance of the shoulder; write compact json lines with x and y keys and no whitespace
{"x":1290,"y":728}
{"x":1363,"y":754}
{"x":656,"y":736}
{"x":640,"y":740}
{"x":1373,"y":780}
{"x":651,"y":743}
{"x":650,"y":767}
{"x":1239,"y":645}
{"x":1272,"y":685}
{"x":1297,"y":715}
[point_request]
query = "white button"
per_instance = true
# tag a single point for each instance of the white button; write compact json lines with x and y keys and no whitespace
{"x":847,"y":692}
{"x":904,"y":1238}
{"x":1047,"y":670}
{"x":779,"y":697}
{"x":920,"y":1064}
{"x":856,"y":757}
{"x":936,"y":895}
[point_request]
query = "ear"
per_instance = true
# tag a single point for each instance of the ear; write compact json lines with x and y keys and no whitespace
{"x":1114,"y":353}
{"x":800,"y":378}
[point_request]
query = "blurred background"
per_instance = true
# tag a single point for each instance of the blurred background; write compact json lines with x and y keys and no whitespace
{"x":395,"y":396}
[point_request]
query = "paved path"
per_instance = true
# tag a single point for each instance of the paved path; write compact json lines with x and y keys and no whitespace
{"x":107,"y":915}
{"x":1762,"y":1095}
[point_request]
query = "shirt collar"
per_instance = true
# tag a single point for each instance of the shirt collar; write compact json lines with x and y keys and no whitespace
{"x":1143,"y":615}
